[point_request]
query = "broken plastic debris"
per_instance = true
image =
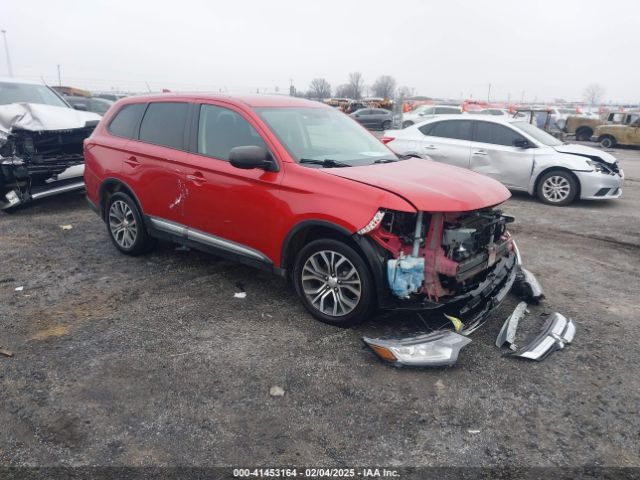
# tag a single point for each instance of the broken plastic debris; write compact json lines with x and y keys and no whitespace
{"x":557,"y":332}
{"x":240,"y":295}
{"x":527,"y":286}
{"x":19,"y":289}
{"x":6,"y":353}
{"x":508,"y":331}
{"x":473,"y":431}
{"x":66,"y":227}
{"x":276,"y":391}
{"x":457,"y":323}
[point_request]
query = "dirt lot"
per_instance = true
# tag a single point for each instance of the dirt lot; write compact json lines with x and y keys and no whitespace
{"x":152,"y":361}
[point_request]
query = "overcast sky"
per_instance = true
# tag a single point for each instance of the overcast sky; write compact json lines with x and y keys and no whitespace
{"x":444,"y":48}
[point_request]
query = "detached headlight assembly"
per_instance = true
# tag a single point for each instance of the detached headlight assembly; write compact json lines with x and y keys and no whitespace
{"x":436,"y":349}
{"x":597,"y":166}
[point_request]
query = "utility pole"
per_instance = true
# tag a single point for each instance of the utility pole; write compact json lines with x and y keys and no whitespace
{"x":489,"y":94}
{"x":59,"y":81}
{"x":6,"y":51}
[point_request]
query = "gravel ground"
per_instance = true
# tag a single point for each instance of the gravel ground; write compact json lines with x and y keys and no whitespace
{"x":152,"y":361}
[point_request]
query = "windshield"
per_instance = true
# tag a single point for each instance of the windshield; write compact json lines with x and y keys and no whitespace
{"x":324,"y":134}
{"x":540,"y":135}
{"x":28,"y":93}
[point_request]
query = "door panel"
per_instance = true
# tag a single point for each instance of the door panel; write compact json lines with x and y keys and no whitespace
{"x":493,"y":153}
{"x":447,"y":150}
{"x":157,"y":178}
{"x":222,"y":200}
{"x":509,"y":165}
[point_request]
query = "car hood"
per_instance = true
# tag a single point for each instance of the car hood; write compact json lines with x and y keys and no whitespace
{"x":36,"y":117}
{"x":429,"y":186}
{"x":584,"y":151}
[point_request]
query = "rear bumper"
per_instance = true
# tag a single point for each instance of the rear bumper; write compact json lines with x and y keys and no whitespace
{"x":600,"y":186}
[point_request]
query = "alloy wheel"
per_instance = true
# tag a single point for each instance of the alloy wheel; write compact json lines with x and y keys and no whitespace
{"x":331,"y":283}
{"x":122,"y":224}
{"x":556,"y":188}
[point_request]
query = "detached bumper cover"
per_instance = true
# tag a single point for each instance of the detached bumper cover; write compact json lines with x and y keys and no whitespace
{"x":557,"y":332}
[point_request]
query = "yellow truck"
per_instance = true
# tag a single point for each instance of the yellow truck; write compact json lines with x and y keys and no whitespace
{"x":608,"y":136}
{"x":583,"y":126}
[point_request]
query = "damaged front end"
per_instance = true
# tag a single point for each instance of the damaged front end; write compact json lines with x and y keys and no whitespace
{"x":36,"y":161}
{"x":462,"y":264}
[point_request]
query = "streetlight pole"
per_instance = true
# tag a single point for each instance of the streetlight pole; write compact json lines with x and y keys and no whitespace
{"x":59,"y":81}
{"x":6,"y":51}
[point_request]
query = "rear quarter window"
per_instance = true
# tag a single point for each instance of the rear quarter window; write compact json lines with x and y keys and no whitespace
{"x":124,"y":122}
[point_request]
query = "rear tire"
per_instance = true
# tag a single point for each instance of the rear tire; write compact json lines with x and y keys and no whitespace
{"x":126,"y":227}
{"x":557,"y":187}
{"x":334,"y":283}
{"x":386,"y":125}
{"x":608,"y":141}
{"x":584,"y":134}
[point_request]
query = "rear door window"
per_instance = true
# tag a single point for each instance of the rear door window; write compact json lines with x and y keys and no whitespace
{"x":496,"y":134}
{"x":456,"y":129}
{"x":221,"y":129}
{"x":125,"y":121}
{"x":164,"y":123}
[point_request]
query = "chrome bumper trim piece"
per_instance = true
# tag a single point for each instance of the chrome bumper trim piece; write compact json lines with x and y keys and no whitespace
{"x":557,"y":332}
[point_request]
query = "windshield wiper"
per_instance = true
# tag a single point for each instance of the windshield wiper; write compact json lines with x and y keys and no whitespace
{"x":326,"y":163}
{"x":386,"y":160}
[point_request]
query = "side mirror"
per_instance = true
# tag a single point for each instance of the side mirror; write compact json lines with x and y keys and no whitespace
{"x":521,"y":144}
{"x":80,"y":106}
{"x":251,"y":156}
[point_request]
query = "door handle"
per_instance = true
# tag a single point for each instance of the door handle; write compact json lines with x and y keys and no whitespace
{"x":481,"y":152}
{"x":132,"y":161}
{"x":430,"y":147}
{"x":196,"y":178}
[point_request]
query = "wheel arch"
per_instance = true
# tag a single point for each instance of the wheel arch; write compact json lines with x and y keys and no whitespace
{"x":309,"y":230}
{"x":110,"y":186}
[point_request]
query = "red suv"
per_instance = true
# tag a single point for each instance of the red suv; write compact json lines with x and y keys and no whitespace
{"x":302,"y":190}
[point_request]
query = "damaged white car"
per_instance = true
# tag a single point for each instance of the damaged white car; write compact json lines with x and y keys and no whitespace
{"x":519,"y":155}
{"x":40,"y":143}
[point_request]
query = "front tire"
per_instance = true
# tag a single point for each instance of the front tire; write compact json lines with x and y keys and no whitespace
{"x":386,"y":125}
{"x":558,"y":188}
{"x":607,"y":142}
{"x":334,"y":283}
{"x":125,"y":225}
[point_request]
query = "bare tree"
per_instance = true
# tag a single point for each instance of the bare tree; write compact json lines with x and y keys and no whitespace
{"x":356,"y":82}
{"x":320,"y":88}
{"x":594,"y":94}
{"x":344,"y":91}
{"x":406,"y":92}
{"x":384,"y":86}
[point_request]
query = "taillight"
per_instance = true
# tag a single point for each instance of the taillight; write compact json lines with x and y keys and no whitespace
{"x":386,"y":140}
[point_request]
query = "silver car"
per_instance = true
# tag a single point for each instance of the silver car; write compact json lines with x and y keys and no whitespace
{"x":516,"y":153}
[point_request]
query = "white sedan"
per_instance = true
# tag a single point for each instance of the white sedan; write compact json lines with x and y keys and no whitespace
{"x":516,"y":153}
